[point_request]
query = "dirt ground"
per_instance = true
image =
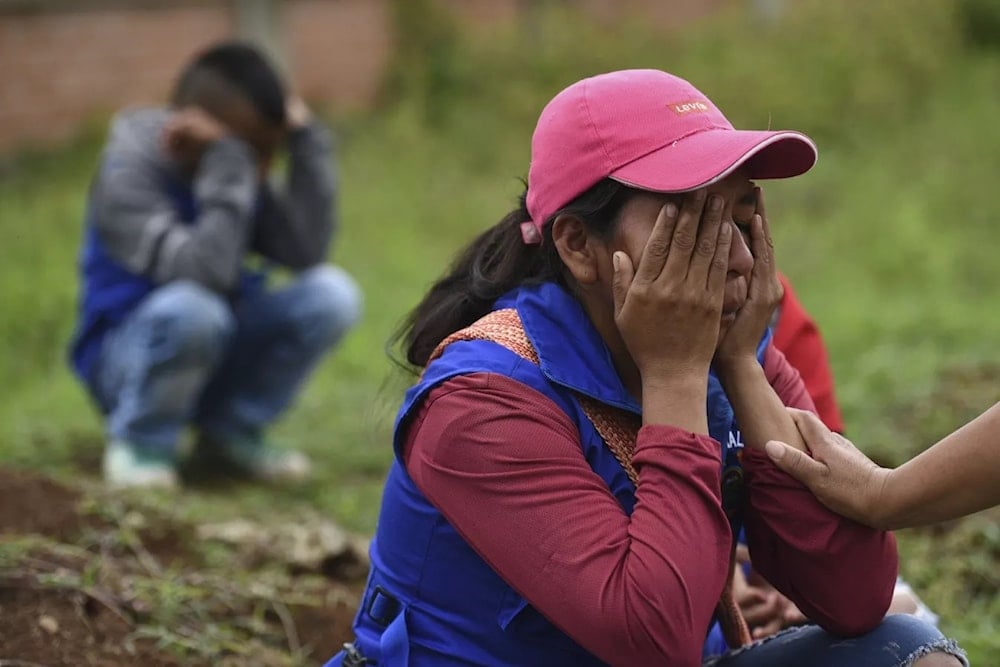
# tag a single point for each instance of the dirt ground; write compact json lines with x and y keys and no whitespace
{"x":67,"y":601}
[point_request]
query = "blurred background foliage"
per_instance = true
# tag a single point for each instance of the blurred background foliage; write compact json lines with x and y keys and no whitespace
{"x":891,"y":241}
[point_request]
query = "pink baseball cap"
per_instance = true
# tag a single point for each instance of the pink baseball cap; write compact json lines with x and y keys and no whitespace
{"x":649,"y":130}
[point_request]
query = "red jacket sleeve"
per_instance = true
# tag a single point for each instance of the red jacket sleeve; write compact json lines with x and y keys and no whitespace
{"x":840,"y":574}
{"x":797,"y":336}
{"x":504,"y":465}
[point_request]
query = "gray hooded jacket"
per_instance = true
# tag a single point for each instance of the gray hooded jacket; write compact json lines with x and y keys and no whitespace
{"x":139,"y":226}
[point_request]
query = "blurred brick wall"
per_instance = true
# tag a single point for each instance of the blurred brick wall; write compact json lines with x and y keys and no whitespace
{"x":339,"y":51}
{"x":667,"y":14}
{"x":64,"y":62}
{"x":59,"y":68}
{"x":61,"y":65}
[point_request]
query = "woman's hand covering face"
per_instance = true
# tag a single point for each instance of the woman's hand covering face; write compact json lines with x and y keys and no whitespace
{"x":764,"y":293}
{"x":668,"y":306}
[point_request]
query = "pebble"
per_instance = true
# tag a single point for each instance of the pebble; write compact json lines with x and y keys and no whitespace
{"x":49,"y":624}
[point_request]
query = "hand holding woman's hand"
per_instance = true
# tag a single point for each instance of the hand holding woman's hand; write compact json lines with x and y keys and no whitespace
{"x":838,"y":474}
{"x":667,"y":308}
{"x":764,"y":292}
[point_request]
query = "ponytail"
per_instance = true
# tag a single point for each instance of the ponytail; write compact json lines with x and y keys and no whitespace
{"x":494,"y":263}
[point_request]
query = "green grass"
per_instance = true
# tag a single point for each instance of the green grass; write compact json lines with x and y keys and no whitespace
{"x":890,"y":241}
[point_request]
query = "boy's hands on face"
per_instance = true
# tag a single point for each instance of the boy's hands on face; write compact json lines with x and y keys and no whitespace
{"x":188,"y":132}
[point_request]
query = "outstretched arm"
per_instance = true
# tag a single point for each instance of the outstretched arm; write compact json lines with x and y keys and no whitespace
{"x":953,"y":478}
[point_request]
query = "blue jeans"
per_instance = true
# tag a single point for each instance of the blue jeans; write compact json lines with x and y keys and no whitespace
{"x":185,"y":355}
{"x":898,"y":642}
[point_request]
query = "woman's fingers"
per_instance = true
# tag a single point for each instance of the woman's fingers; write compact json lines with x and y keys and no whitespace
{"x":765,"y":611}
{"x":658,"y":245}
{"x":761,"y":247}
{"x":766,"y":246}
{"x":709,"y":234}
{"x":687,"y":239}
{"x":624,"y":273}
{"x":763,"y":277}
{"x":691,"y":243}
{"x":760,"y":206}
{"x":742,"y":555}
{"x":669,"y":284}
{"x":793,"y":615}
{"x":719,"y":268}
{"x":768,"y":629}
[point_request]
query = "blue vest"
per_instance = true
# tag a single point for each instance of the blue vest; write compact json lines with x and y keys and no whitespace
{"x":430,"y":599}
{"x":109,"y":291}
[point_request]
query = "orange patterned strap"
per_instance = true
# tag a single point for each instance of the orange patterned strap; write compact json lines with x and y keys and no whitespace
{"x":500,"y":326}
{"x":618,"y":428}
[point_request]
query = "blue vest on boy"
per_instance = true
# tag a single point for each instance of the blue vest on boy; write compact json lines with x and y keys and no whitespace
{"x":109,"y":291}
{"x":430,"y":599}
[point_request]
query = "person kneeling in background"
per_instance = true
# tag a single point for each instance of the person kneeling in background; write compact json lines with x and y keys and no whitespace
{"x":176,"y":326}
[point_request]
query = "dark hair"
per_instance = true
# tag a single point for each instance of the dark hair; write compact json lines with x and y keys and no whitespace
{"x":496,"y":262}
{"x":241,"y":66}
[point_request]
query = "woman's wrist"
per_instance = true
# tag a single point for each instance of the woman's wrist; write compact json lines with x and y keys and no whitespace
{"x":733,"y":370}
{"x":678,"y":400}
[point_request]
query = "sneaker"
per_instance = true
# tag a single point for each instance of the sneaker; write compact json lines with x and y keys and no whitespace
{"x":128,"y":466}
{"x":256,"y":459}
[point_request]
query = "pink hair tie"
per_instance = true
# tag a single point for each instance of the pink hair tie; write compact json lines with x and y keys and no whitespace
{"x":530,"y":234}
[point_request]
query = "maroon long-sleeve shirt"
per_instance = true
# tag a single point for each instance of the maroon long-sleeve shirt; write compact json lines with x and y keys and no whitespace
{"x":505,"y":467}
